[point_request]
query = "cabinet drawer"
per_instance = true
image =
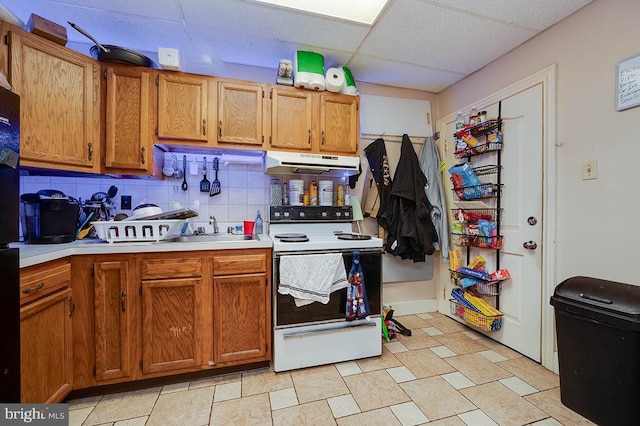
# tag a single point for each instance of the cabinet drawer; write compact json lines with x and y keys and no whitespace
{"x":153,"y":268}
{"x":239,"y":264}
{"x":41,"y":280}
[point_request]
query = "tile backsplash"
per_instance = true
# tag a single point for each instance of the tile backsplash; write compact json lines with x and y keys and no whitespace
{"x":245,"y":189}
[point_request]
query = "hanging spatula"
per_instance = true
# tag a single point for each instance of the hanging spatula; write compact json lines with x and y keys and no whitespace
{"x":205,"y":185}
{"x":215,"y":185}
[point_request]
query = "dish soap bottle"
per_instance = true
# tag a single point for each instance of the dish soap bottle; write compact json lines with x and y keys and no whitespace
{"x":258,"y":225}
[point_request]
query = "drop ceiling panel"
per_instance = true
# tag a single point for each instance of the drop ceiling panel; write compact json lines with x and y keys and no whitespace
{"x":418,"y":44}
{"x":389,"y":73}
{"x":275,"y":23}
{"x":538,"y":14}
{"x":416,"y":32}
{"x":259,"y":51}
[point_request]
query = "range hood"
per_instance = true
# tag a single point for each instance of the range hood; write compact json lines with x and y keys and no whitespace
{"x":280,"y":163}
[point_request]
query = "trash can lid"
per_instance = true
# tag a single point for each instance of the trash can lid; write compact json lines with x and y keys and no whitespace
{"x":602,"y":295}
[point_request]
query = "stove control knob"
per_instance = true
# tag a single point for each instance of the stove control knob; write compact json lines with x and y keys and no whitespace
{"x":324,"y":214}
{"x":276,"y":215}
{"x":301,"y":214}
{"x":338,"y":214}
{"x":346,"y":214}
{"x":286,"y":214}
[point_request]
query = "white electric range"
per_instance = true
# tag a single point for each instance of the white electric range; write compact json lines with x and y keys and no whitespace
{"x":319,"y":333}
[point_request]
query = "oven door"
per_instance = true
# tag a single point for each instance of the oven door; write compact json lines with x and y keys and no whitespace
{"x":287,"y":314}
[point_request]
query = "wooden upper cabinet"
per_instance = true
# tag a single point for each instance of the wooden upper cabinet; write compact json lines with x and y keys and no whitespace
{"x":291,"y":119}
{"x":59,"y":96}
{"x":128,"y":133}
{"x":339,"y":130}
{"x":185,"y":105}
{"x":241,"y":111}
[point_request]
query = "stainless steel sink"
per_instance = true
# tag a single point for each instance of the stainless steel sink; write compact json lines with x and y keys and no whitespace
{"x":209,"y":238}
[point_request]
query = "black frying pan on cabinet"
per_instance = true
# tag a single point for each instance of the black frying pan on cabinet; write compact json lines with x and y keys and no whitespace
{"x":116,"y":54}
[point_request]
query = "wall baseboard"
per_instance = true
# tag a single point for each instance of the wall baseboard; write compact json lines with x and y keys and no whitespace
{"x":413,"y":307}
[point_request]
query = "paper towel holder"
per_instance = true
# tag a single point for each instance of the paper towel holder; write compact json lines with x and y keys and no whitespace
{"x":357,"y":211}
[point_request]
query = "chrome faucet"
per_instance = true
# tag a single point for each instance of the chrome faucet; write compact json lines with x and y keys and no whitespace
{"x":214,"y":222}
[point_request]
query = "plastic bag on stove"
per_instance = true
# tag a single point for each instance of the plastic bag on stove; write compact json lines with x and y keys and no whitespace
{"x":357,"y":301}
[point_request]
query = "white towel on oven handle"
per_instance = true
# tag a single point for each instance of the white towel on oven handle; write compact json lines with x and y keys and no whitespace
{"x":312,"y":277}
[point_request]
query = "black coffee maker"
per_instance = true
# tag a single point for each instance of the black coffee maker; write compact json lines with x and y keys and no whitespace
{"x":48,"y":217}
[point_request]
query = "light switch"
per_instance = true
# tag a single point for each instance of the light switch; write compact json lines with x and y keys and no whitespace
{"x":590,"y":170}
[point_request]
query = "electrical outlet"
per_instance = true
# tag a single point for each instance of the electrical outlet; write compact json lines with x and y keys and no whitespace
{"x":590,"y":170}
{"x":125,"y":202}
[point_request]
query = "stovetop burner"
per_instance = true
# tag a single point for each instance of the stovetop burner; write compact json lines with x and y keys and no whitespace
{"x":354,"y":237}
{"x":294,"y":239}
{"x":290,"y":235}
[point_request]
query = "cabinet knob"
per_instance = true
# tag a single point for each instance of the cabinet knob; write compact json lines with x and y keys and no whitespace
{"x":309,"y":141}
{"x":204,"y":127}
{"x":90,"y":156}
{"x":220,"y":129}
{"x":123,"y":301}
{"x":143,"y":150}
{"x":323,"y":137}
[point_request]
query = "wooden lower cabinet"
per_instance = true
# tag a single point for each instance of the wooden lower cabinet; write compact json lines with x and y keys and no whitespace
{"x":114,"y":329}
{"x":240,"y":332}
{"x":105,"y":335}
{"x":46,"y":366}
{"x":107,"y":319}
{"x":242,"y":307}
{"x":171,"y":321}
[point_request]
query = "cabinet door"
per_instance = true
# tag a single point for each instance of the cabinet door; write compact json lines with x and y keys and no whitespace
{"x":240,"y":113}
{"x":59,"y":95}
{"x":241,"y":326}
{"x":113,"y":328}
{"x":339,"y":124}
{"x":291,"y":119}
{"x":182,"y":107}
{"x":171,"y":318}
{"x":128,"y":130}
{"x":46,"y":367}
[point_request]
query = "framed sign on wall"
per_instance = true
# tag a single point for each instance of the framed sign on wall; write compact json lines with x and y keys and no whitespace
{"x":628,"y":83}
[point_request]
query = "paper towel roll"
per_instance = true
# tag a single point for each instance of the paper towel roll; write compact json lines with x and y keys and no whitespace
{"x":349,"y":87}
{"x":334,"y":80}
{"x":308,"y":70}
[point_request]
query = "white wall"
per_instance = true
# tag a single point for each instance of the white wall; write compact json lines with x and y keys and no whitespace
{"x":596,"y":218}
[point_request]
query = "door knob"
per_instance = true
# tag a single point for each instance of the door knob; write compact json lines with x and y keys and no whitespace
{"x":532,"y":220}
{"x":530,"y":245}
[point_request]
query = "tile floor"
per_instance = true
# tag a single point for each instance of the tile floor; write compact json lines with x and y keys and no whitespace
{"x":444,"y":374}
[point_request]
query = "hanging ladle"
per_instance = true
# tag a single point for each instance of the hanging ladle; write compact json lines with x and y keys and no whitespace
{"x":185,"y":186}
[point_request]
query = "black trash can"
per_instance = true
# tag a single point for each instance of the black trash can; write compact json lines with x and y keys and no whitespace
{"x":598,"y":336}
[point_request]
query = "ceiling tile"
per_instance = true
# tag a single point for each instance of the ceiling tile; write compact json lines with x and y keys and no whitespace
{"x":266,"y":21}
{"x":389,"y":73}
{"x":259,"y":51}
{"x":537,"y":15}
{"x":427,"y":35}
{"x":416,"y":44}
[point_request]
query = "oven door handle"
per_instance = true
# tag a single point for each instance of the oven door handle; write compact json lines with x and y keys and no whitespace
{"x":299,"y":333}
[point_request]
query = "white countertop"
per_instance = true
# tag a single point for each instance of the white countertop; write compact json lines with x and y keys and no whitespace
{"x":33,"y":254}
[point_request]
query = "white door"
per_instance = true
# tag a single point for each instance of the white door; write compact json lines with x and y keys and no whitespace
{"x":521,"y":224}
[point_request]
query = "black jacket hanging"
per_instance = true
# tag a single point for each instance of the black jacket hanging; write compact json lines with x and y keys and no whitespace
{"x":407,"y":218}
{"x":376,"y":153}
